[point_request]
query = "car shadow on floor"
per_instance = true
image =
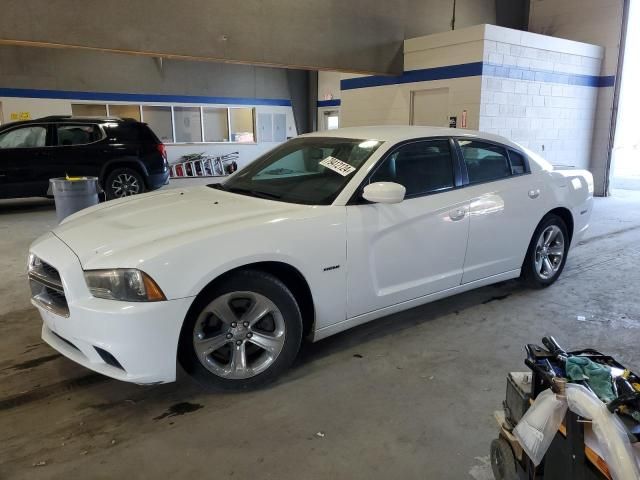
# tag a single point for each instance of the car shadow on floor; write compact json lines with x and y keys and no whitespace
{"x":25,"y":205}
{"x":395,"y":323}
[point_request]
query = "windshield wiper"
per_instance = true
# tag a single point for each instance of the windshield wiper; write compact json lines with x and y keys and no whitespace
{"x":253,"y":193}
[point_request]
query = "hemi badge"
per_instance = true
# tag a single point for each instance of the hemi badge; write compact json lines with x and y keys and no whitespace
{"x":334,"y":267}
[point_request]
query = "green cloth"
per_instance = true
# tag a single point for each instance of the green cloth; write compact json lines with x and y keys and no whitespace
{"x":596,"y":375}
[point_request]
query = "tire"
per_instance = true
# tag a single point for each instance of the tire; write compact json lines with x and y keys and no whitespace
{"x":241,"y":333}
{"x":547,"y":253}
{"x":123,"y":182}
{"x":503,"y":462}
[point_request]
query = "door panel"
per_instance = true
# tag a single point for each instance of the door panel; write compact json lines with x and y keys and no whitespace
{"x":404,"y":251}
{"x":21,"y":150}
{"x":503,"y":214}
{"x":77,"y":151}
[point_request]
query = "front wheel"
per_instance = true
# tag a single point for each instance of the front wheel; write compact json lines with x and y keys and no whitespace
{"x":547,"y":253}
{"x":241,"y":333}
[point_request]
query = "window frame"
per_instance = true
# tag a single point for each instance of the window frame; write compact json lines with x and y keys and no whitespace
{"x":463,"y":164}
{"x":525,"y":160}
{"x":458,"y":179}
{"x":254,"y":121}
{"x":47,"y":139}
{"x":54,"y":134}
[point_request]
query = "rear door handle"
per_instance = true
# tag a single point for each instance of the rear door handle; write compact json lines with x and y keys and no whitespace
{"x":534,"y":193}
{"x":457,"y":214}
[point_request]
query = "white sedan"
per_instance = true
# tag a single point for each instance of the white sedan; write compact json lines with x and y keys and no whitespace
{"x":326,"y":231}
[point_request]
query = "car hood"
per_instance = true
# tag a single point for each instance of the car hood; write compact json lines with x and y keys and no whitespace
{"x":114,"y":227}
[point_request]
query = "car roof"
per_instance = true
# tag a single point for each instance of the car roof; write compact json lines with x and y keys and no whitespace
{"x":398,"y":133}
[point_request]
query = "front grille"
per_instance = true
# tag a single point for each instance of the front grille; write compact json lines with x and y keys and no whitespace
{"x":46,"y":287}
{"x":50,"y":272}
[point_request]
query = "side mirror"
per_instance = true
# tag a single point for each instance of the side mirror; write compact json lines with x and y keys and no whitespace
{"x":384,"y":192}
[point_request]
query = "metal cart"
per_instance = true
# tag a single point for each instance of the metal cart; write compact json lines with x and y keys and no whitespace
{"x":574,"y":453}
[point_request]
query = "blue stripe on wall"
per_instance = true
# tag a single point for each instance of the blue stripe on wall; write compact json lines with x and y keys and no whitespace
{"x":335,"y":102}
{"x":138,"y":97}
{"x":475,"y":69}
{"x":411,"y":76}
{"x":548,"y":76}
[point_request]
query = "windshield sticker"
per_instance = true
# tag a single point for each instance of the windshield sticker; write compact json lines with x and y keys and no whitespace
{"x":338,"y":166}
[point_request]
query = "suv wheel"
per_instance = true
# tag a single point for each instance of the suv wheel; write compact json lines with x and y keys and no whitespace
{"x":123,"y":182}
{"x":242,"y":333}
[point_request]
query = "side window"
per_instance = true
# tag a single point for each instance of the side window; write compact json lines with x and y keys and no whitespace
{"x":77,"y":134}
{"x":26,"y":137}
{"x":485,"y":162}
{"x":421,"y":167}
{"x":518,"y":166}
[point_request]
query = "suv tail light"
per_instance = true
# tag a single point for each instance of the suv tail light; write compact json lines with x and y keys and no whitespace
{"x":163,"y":150}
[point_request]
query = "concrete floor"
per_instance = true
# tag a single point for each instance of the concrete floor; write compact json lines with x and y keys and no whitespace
{"x":408,"y":396}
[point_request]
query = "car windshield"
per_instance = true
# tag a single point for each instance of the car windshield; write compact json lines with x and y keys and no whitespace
{"x":311,"y":170}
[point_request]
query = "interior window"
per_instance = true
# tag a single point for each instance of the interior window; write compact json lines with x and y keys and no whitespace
{"x":77,"y":134}
{"x":25,"y":137}
{"x":517,"y":163}
{"x":88,"y":110}
{"x":485,"y":161}
{"x":187,"y":124}
{"x":421,"y":167}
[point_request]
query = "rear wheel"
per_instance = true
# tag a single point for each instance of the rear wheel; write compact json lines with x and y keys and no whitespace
{"x":547,"y":253}
{"x":123,"y":182}
{"x":241,"y":333}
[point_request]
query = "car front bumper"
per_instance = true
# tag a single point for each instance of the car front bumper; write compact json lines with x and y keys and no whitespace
{"x":142,"y":337}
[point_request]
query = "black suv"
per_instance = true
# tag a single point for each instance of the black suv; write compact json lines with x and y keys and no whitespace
{"x":124,"y":154}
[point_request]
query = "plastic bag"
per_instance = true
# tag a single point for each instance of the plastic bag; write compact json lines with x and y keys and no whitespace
{"x":537,"y":428}
{"x":610,"y":432}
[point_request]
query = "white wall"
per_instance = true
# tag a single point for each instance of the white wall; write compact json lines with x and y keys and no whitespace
{"x":33,"y":107}
{"x":329,"y":85}
{"x":391,"y":104}
{"x":593,"y":21}
{"x":553,"y":119}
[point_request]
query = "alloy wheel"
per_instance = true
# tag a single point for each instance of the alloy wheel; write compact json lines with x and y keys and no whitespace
{"x":549,"y":252}
{"x":125,"y":185}
{"x":239,"y":335}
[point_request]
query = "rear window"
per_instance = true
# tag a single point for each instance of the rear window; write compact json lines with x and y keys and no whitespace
{"x":131,"y":132}
{"x":485,"y":161}
{"x":518,"y":166}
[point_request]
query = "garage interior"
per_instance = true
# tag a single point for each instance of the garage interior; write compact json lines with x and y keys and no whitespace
{"x":411,"y":395}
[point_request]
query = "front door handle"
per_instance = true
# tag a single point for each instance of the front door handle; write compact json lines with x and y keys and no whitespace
{"x":457,"y":214}
{"x":534,"y":193}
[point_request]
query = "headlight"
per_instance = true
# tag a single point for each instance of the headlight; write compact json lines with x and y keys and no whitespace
{"x":126,"y":284}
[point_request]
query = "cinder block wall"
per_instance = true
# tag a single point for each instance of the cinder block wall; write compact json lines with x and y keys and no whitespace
{"x":542,"y":92}
{"x":593,"y":21}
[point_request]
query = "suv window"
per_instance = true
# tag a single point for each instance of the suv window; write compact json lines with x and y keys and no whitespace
{"x":421,"y":167}
{"x":130,"y":132}
{"x":518,"y":166}
{"x":485,"y":161}
{"x":32,"y":136}
{"x":69,"y":134}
